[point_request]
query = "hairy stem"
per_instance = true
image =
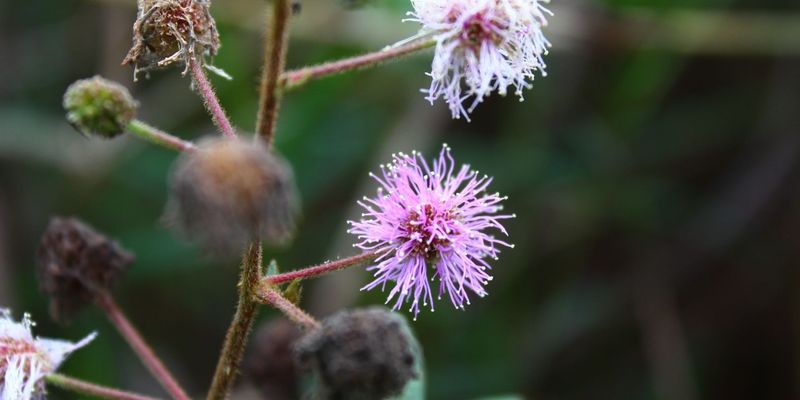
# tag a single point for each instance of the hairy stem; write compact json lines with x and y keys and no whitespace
{"x":321,"y":269}
{"x":268,"y":295}
{"x":90,"y":389}
{"x":159,"y":137}
{"x":239,"y":330}
{"x":274,"y":62}
{"x":296,"y":78}
{"x":210,"y":99}
{"x":106,"y":303}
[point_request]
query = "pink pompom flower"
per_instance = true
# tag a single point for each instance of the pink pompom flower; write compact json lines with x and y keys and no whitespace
{"x":427,"y":223}
{"x":481,"y":46}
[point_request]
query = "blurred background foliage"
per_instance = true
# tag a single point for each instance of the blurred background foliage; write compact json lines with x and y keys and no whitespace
{"x":654,"y":173}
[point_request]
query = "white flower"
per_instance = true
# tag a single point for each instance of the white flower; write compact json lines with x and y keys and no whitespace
{"x":25,"y":360}
{"x":481,"y":46}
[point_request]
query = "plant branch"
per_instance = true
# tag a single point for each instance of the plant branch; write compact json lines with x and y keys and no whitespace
{"x":268,"y":295}
{"x":159,"y":137}
{"x":106,"y":303}
{"x":239,"y":330}
{"x":274,"y":62}
{"x":210,"y":99}
{"x":321,"y":269}
{"x":91,"y":389}
{"x":296,"y":78}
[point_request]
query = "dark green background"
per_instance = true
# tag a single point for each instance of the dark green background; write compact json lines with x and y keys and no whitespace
{"x":654,"y":173}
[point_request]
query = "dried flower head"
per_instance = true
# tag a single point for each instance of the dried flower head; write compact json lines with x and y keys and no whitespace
{"x":76,"y":264}
{"x":168,"y":32}
{"x":482,"y":46}
{"x":270,"y":365}
{"x":364,"y":354}
{"x":229,"y":192}
{"x":430,"y":218}
{"x":97,"y":106}
{"x":25,"y":360}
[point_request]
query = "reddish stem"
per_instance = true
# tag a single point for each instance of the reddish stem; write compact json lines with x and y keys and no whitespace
{"x":210,"y":99}
{"x":321,"y":269}
{"x":106,"y":303}
{"x":295,"y":78}
{"x":91,"y":389}
{"x":271,"y":296}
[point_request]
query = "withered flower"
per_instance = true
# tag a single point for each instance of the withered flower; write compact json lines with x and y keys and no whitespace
{"x":364,"y":354}
{"x":168,"y":32}
{"x":76,"y":264}
{"x":270,"y":365}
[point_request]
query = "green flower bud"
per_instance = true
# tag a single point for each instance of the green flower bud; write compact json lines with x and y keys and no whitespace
{"x":97,"y":106}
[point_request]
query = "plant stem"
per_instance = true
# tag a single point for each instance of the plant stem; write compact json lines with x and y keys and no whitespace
{"x":321,"y":269}
{"x":274,"y":62}
{"x":106,"y":303}
{"x":90,"y":389}
{"x":159,"y":137}
{"x":268,"y":295}
{"x":296,"y":78}
{"x":239,"y":330}
{"x":210,"y":99}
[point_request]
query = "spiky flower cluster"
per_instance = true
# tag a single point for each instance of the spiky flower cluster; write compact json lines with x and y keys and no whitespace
{"x":482,"y":46}
{"x":25,"y":360}
{"x":430,"y":217}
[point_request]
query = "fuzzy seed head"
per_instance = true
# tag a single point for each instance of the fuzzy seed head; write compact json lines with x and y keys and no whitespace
{"x":97,"y":106}
{"x":76,"y":264}
{"x":270,"y":365}
{"x":229,"y":192}
{"x":365,"y":354}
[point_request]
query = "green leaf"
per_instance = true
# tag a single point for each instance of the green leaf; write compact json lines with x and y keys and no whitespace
{"x":272,"y":268}
{"x":294,"y":291}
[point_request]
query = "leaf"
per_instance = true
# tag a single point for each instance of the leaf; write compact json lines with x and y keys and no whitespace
{"x":294,"y":291}
{"x":272,"y":268}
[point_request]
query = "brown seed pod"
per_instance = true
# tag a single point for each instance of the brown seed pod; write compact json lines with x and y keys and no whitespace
{"x":76,"y":264}
{"x":168,"y":32}
{"x":230,"y":192}
{"x":270,"y":365}
{"x":364,"y":354}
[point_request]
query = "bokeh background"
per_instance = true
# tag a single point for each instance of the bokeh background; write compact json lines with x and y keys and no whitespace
{"x":655,"y":173}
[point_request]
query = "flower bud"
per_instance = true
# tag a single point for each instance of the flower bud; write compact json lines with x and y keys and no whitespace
{"x":172,"y":31}
{"x":229,"y":192}
{"x":76,"y":264}
{"x":97,"y":106}
{"x":365,"y":354}
{"x":270,"y":365}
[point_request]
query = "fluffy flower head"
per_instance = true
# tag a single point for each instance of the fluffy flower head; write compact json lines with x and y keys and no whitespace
{"x":25,"y":360}
{"x":429,"y":223}
{"x":482,"y":46}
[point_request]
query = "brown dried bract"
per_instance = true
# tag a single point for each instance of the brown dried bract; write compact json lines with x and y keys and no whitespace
{"x":76,"y":264}
{"x":169,"y":32}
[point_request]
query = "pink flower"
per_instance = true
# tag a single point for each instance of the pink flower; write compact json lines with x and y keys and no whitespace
{"x":25,"y":360}
{"x":430,"y":217}
{"x":481,"y":46}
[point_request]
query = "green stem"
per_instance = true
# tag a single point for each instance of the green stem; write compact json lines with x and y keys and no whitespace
{"x":274,"y":63}
{"x":239,"y":330}
{"x":296,"y":78}
{"x":159,"y":137}
{"x":90,"y":389}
